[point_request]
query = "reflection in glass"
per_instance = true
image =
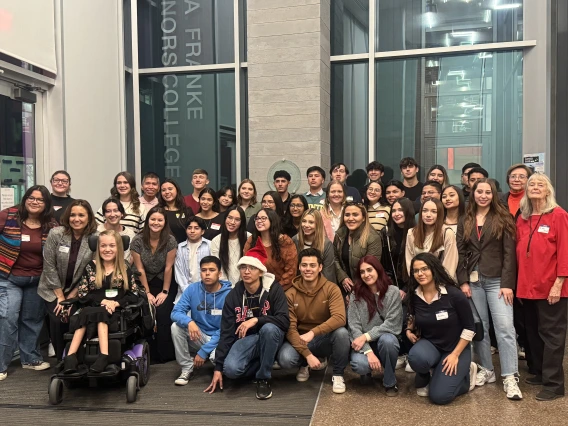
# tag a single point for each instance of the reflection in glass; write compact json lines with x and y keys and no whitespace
{"x":188,"y":122}
{"x":417,"y":24}
{"x":349,"y":27}
{"x":451,"y":110}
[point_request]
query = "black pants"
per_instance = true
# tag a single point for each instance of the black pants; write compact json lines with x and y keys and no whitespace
{"x":546,"y":334}
{"x":56,"y":329}
{"x":161,"y":344}
{"x":519,"y":321}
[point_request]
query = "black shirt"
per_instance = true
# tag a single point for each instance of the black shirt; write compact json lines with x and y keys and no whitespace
{"x":73,"y":253}
{"x":59,"y":205}
{"x":213,"y":226}
{"x":415,"y":192}
{"x":345,"y":257}
{"x":252,"y":303}
{"x":177,"y":220}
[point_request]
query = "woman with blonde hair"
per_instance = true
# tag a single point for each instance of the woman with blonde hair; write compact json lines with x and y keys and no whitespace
{"x":438,"y":174}
{"x":311,"y":233}
{"x":106,"y":284}
{"x":335,"y":198}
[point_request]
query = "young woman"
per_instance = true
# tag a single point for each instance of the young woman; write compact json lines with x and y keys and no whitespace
{"x":270,"y":200}
{"x":487,"y":272}
{"x":394,"y":190}
{"x":124,"y":188}
{"x":438,"y":174}
{"x":60,"y":188}
{"x":281,"y":251}
{"x":430,"y":235}
{"x":212,"y":219}
{"x":229,"y":245}
{"x":354,"y":240}
{"x":378,"y":210}
{"x":333,"y":208}
{"x":106,"y":284}
{"x":172,"y":201}
{"x":375,"y":321}
{"x":312,"y":234}
{"x":441,"y":327}
{"x":246,"y":198}
{"x":114,"y":213}
{"x":23,"y":232}
{"x":65,"y":256}
{"x":153,"y":254}
{"x":454,"y":206}
{"x":227,"y":198}
{"x":296,"y":207}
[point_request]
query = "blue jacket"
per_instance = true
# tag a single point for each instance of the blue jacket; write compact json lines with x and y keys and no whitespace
{"x":196,"y":304}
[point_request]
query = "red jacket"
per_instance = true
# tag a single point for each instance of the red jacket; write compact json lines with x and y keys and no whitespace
{"x":548,"y":256}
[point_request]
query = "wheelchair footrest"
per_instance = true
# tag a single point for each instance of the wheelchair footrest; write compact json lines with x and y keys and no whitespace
{"x":111,"y":370}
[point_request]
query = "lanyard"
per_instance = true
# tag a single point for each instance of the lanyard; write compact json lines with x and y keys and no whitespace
{"x":479,"y":230}
{"x":531,"y":232}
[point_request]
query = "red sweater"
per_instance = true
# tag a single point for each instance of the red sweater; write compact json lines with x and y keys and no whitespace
{"x":514,"y":202}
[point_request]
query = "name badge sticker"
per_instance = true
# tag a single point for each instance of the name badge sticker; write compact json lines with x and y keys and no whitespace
{"x":216,"y":226}
{"x":25,"y":238}
{"x":216,"y":311}
{"x":544,"y":229}
{"x":322,"y":201}
{"x":349,"y":199}
{"x":381,"y":215}
{"x":57,"y":208}
{"x":376,"y":205}
{"x":64,"y":249}
{"x":442,"y":315}
{"x":111,"y":292}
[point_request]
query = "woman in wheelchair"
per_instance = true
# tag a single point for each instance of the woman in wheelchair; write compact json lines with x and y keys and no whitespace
{"x":106,"y":284}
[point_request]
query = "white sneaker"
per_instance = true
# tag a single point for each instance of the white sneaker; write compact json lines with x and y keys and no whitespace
{"x":323,"y":364}
{"x":511,"y":387}
{"x":423,"y":391}
{"x":494,"y":350}
{"x":484,"y":376}
{"x":36,"y":365}
{"x":472,"y":375}
{"x":276,"y":366}
{"x":338,"y":384}
{"x":303,"y":374}
{"x":50,"y":350}
{"x":521,"y":353}
{"x":183,"y":378}
{"x":3,"y":375}
{"x":408,"y":368}
{"x":400,"y":361}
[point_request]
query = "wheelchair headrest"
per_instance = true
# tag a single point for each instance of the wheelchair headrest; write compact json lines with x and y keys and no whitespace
{"x":94,"y":242}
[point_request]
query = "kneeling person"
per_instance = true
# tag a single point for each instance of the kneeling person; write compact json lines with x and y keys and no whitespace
{"x":197,"y":319}
{"x":317,"y":322}
{"x":254,"y":322}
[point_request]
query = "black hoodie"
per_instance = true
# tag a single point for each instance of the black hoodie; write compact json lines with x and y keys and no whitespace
{"x":274,"y":311}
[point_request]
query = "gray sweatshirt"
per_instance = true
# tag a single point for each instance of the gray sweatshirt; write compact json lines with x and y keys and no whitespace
{"x":391,"y":322}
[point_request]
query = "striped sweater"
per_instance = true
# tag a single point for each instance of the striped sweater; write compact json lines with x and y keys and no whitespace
{"x":10,"y":239}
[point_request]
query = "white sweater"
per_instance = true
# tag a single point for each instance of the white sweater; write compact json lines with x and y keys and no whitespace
{"x":233,"y":275}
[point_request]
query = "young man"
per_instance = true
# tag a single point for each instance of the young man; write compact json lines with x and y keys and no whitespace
{"x":475,"y":174}
{"x":254,"y":322}
{"x":199,"y":181}
{"x":197,"y":319}
{"x":375,"y":172}
{"x":431,"y":189}
{"x":190,"y":253}
{"x":317,"y":323}
{"x":465,"y":171}
{"x":60,"y":187}
{"x":339,"y":171}
{"x":409,"y":169}
{"x":150,"y":188}
{"x":316,"y":194}
{"x":281,"y":182}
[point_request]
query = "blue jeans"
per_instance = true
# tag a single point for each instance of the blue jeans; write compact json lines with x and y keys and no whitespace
{"x":254,"y":355}
{"x":335,"y":344}
{"x":22,"y":312}
{"x":424,"y":356}
{"x":484,"y":294}
{"x":386,"y":349}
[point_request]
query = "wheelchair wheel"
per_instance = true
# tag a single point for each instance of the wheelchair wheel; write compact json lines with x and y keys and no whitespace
{"x":131,"y":389}
{"x":70,"y":384}
{"x":56,"y":391}
{"x":144,"y":369}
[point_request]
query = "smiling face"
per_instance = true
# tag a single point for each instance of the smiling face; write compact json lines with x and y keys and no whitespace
{"x":194,"y":232}
{"x":429,"y":213}
{"x":169,"y":192}
{"x":374,"y":193}
{"x":310,"y":268}
{"x":35,"y":203}
{"x":397,"y":214}
{"x":122,"y":186}
{"x":261,"y":221}
{"x":296,"y":208}
{"x":79,"y":218}
{"x":374,"y":175}
{"x":339,"y":173}
{"x":107,"y":248}
{"x":483,"y":195}
{"x":268,"y":202}
{"x":308,"y":225}
{"x":60,"y":185}
{"x":429,"y":191}
{"x":233,"y":221}
{"x":150,"y":187}
{"x":246,"y":192}
{"x":369,"y":274}
{"x":112,"y":214}
{"x":437,"y":176}
{"x":199,"y":181}
{"x":450,"y":199}
{"x":422,"y":273}
{"x":336,"y":194}
{"x":157,"y":222}
{"x":518,"y":179}
{"x":353,"y":218}
{"x":226,"y":200}
{"x":474,"y":177}
{"x":537,"y":189}
{"x":206,"y":202}
{"x":281,"y":185}
{"x":392,"y":193}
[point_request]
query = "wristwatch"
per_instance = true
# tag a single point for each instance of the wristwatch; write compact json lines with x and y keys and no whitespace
{"x":165,"y":291}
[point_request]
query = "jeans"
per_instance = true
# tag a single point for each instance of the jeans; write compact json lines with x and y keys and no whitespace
{"x":485,"y":293}
{"x":424,"y":356}
{"x":386,"y":349}
{"x":184,"y":347}
{"x":22,"y":313}
{"x":335,"y":344}
{"x":254,"y":355}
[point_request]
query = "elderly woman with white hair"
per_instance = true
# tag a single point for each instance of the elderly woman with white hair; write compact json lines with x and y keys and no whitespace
{"x":542,"y":255}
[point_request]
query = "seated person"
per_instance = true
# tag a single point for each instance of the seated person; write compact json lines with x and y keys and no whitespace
{"x":317,"y":322}
{"x":375,"y":321}
{"x":106,"y":284}
{"x":197,"y":319}
{"x":253,"y":325}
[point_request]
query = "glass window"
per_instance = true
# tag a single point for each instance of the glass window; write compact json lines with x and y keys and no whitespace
{"x":417,"y":24}
{"x":349,"y":114}
{"x":349,"y":27}
{"x":451,"y":110}
{"x":127,"y":32}
{"x":188,"y":122}
{"x":185,"y":33}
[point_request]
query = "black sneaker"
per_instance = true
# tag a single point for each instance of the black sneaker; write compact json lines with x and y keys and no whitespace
{"x":546,"y":395}
{"x":533,"y":380}
{"x":392,"y":391}
{"x":263,"y":390}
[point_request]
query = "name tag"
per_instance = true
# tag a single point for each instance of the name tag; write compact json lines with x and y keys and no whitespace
{"x":442,"y":315}
{"x":349,"y":199}
{"x":216,"y":226}
{"x":216,"y":311}
{"x":111,"y":292}
{"x":381,"y":215}
{"x":544,"y":229}
{"x":57,"y":207}
{"x":322,"y":202}
{"x":25,"y":237}
{"x":377,"y":205}
{"x":64,"y":249}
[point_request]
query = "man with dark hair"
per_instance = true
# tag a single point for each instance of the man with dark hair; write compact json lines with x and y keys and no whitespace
{"x":339,"y":171}
{"x":431,"y":189}
{"x":475,"y":174}
{"x":317,"y":323}
{"x":197,"y":319}
{"x":281,"y":182}
{"x":150,"y":188}
{"x":409,"y":169}
{"x":375,"y":172}
{"x":316,"y":194}
{"x":465,"y":170}
{"x":199,"y":181}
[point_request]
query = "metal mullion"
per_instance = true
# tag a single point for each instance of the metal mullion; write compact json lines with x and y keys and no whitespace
{"x":371,"y":94}
{"x":136,"y":90}
{"x":356,"y":57}
{"x":197,"y":69}
{"x":237,"y":71}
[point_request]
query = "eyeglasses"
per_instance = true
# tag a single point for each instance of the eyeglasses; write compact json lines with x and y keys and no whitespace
{"x":234,"y":219}
{"x":36,"y":200}
{"x":517,"y":177}
{"x":269,"y":202}
{"x":65,"y":181}
{"x":429,"y":193}
{"x":249,"y":268}
{"x":376,"y":190}
{"x":424,"y":269}
{"x":261,"y":219}
{"x":296,"y":206}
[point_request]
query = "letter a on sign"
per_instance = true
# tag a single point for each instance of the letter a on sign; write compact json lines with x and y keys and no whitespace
{"x":191,"y":6}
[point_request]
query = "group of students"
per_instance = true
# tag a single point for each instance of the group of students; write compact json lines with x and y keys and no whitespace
{"x":379,"y":277}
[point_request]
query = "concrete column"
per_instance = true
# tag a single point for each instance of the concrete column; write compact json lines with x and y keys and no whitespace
{"x":288,"y":85}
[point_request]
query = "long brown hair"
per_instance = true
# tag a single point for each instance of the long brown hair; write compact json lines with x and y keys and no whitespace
{"x":362,"y":290}
{"x":91,"y":227}
{"x":501,"y":219}
{"x":365,"y":228}
{"x":253,"y":200}
{"x":319,"y":233}
{"x":134,"y":196}
{"x":420,"y":228}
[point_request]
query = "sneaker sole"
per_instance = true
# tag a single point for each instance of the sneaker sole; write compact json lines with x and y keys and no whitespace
{"x":515,"y":398}
{"x":180,"y":383}
{"x":31,"y":367}
{"x":266,"y":397}
{"x":3,"y":377}
{"x":488,"y":381}
{"x":302,"y":379}
{"x":339,"y":391}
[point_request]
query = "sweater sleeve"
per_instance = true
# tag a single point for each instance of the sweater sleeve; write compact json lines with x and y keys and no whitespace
{"x":509,"y":271}
{"x":465,"y":315}
{"x":99,"y":216}
{"x":181,"y":313}
{"x":392,"y":310}
{"x":215,"y":246}
{"x":409,"y":250}
{"x":462,"y":272}
{"x":289,"y":260}
{"x":336,"y":310}
{"x":328,"y":270}
{"x":561,"y":225}
{"x":293,"y":336}
{"x":339,"y":272}
{"x":375,"y":246}
{"x":355,"y":323}
{"x":49,"y":276}
{"x":209,"y":346}
{"x":247,"y":245}
{"x":451,"y":256}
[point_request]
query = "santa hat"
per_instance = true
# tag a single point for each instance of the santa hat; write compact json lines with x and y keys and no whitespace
{"x":256,"y":257}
